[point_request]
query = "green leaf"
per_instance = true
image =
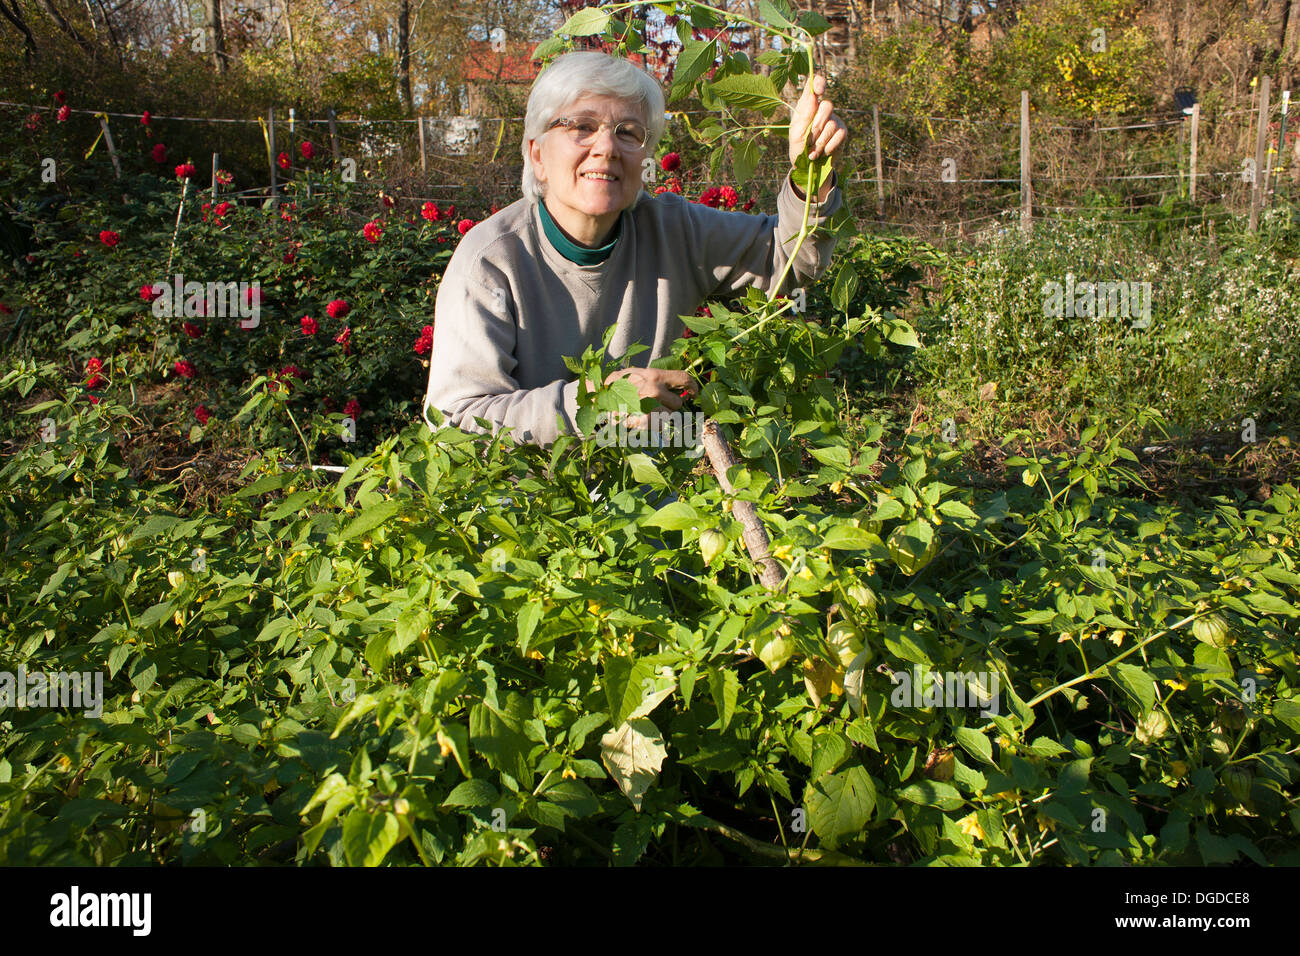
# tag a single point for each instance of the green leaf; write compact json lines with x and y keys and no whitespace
{"x":932,"y":793}
{"x":529,"y":616}
{"x":675,"y":516}
{"x":836,"y":456}
{"x":644,"y":470}
{"x":1137,"y":683}
{"x":724,"y":686}
{"x":772,"y":13}
{"x":472,"y":793}
{"x":624,"y":684}
{"x":975,"y":744}
{"x":748,"y":91}
{"x":845,"y":537}
{"x":839,"y":805}
{"x":745,"y":157}
{"x":370,"y":518}
{"x":692,"y":63}
{"x":368,"y":838}
{"x":820,"y":170}
{"x":846,"y":286}
{"x":586,"y":22}
{"x":411,"y":623}
{"x":1288,"y":711}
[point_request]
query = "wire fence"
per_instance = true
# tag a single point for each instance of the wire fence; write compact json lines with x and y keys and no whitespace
{"x":936,"y":175}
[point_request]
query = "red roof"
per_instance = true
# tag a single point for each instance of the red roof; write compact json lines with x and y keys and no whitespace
{"x":514,"y":64}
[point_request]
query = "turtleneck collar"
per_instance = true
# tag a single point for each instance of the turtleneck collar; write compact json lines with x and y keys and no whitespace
{"x":570,"y":249}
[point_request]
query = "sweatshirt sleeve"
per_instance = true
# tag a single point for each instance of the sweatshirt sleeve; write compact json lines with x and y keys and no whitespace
{"x":471,"y":368}
{"x":741,"y":250}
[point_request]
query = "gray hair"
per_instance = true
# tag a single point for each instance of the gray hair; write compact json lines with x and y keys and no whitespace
{"x":572,"y":76}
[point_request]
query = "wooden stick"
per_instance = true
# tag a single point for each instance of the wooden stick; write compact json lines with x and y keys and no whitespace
{"x":1196,"y":129}
{"x":270,"y":148}
{"x":112,"y":152}
{"x":721,"y":457}
{"x":880,"y":174}
{"x":1026,"y":187}
{"x":424,"y":159}
{"x":1261,"y":140}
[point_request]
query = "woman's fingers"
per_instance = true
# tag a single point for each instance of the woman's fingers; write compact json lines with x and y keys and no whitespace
{"x":833,"y":134}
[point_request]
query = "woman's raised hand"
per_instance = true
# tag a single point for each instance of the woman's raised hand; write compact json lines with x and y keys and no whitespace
{"x":814,"y":120}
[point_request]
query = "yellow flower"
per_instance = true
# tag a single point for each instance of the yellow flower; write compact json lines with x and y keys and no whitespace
{"x":1116,"y":637}
{"x":970,"y":825}
{"x":568,"y":774}
{"x":837,"y":487}
{"x":805,"y":573}
{"x":782,"y":552}
{"x":1178,"y":768}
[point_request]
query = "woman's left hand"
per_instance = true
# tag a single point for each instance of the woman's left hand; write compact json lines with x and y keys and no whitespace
{"x":828,"y":132}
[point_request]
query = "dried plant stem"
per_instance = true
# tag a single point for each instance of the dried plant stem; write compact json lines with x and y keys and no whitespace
{"x":721,"y":457}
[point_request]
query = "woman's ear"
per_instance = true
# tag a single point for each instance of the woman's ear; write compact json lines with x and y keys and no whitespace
{"x":535,"y":156}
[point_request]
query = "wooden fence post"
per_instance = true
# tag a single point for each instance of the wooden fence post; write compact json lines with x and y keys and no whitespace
{"x":1026,"y":187}
{"x":1196,"y":132}
{"x":424,"y":161}
{"x":880,"y":173}
{"x":334,"y":135}
{"x":216,"y":160}
{"x":1261,"y":139}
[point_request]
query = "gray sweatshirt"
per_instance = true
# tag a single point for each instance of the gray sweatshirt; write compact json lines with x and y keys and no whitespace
{"x":510,"y":306}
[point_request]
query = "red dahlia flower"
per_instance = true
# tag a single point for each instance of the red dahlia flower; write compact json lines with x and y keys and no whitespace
{"x":184,"y":369}
{"x":224,"y":178}
{"x":352,"y":409}
{"x":309,"y":326}
{"x":344,"y":339}
{"x":307,"y":149}
{"x":202,"y":414}
{"x":424,"y":344}
{"x":727,"y":197}
{"x":148,"y":293}
{"x":159,"y":153}
{"x":464,"y":226}
{"x":60,"y":97}
{"x":338,"y":309}
{"x":108,"y":237}
{"x":711,"y":197}
{"x":372,"y":231}
{"x":192,"y":330}
{"x":144,"y":120}
{"x":33,"y":121}
{"x":221,"y":209}
{"x":430,"y":211}
{"x":670,"y":162}
{"x":64,"y":113}
{"x":283,"y":160}
{"x":184,"y":170}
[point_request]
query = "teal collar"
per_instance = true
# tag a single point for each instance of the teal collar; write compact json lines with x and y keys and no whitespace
{"x":570,"y":249}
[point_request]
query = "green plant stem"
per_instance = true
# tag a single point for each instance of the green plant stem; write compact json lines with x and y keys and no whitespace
{"x":1118,"y":657}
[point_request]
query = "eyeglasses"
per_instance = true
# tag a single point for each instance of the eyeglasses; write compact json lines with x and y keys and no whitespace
{"x":582,"y":131}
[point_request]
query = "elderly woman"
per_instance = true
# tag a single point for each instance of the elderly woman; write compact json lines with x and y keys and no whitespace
{"x":588,"y":247}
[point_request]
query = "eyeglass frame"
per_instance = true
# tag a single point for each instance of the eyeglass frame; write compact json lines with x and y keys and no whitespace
{"x":565,"y":121}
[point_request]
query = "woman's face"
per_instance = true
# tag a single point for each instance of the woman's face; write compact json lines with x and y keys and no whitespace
{"x":598,"y":180}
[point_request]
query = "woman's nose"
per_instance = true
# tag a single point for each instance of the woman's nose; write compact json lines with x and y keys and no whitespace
{"x":605,"y":143}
